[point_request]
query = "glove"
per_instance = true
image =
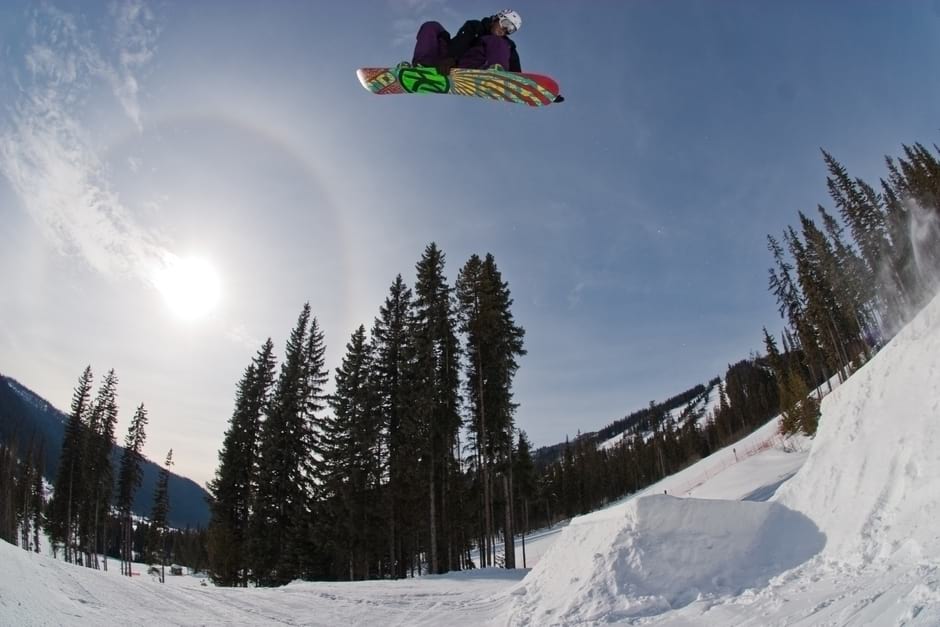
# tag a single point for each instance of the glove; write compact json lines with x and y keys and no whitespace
{"x":445,"y":65}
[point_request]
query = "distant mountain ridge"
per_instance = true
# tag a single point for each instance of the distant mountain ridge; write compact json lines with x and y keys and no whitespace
{"x":694,"y":403}
{"x":25,"y":415}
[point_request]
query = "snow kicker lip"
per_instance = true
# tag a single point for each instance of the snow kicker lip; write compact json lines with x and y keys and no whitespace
{"x":659,"y":553}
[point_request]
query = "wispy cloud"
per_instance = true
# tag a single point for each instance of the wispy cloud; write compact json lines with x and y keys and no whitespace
{"x":412,"y":13}
{"x":46,"y":152}
{"x":135,"y":38}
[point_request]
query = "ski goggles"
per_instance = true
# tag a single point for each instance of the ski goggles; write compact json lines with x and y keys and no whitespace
{"x":507,"y":25}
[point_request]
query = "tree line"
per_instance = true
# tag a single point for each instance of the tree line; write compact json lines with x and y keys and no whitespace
{"x":88,"y":517}
{"x":848,"y":285}
{"x":22,"y":493}
{"x":404,"y":468}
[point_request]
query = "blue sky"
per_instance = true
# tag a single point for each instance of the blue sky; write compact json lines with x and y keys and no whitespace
{"x":629,"y":221}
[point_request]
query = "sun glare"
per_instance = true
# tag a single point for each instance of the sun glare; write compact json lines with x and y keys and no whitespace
{"x":190,"y":287}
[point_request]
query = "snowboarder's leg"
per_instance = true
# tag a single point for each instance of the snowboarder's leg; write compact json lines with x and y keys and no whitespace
{"x":430,"y":44}
{"x":496,"y":50}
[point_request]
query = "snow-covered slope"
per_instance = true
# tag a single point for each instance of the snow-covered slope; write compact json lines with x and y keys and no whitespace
{"x":851,"y":539}
{"x":871,"y":480}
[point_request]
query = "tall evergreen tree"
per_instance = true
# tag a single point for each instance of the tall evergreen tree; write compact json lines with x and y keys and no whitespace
{"x":435,"y":400}
{"x":834,"y":317}
{"x":861,"y":209}
{"x":306,"y":545}
{"x":855,"y":296}
{"x":129,"y":479}
{"x":392,"y":369}
{"x":158,"y":516}
{"x":98,"y":472}
{"x":280,"y":524}
{"x":920,"y":191}
{"x":493,"y":343}
{"x":898,"y":220}
{"x":475,"y":312}
{"x":236,"y":479}
{"x":352,"y":461}
{"x":807,"y":332}
{"x":68,"y":483}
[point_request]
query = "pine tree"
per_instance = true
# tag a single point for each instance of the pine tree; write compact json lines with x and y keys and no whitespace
{"x":392,"y":368}
{"x":68,"y":483}
{"x":851,"y":204}
{"x":280,"y":524}
{"x":898,"y":221}
{"x":435,"y":401}
{"x":158,"y":516}
{"x":806,"y":329}
{"x":921,"y":192}
{"x":236,"y":480}
{"x":473,"y":317}
{"x":861,"y":209}
{"x":129,"y":479}
{"x":854,"y":295}
{"x":783,"y":286}
{"x":351,"y":456}
{"x":819,"y":276}
{"x":493,"y":344}
{"x":98,"y":473}
{"x":305,"y":545}
{"x":798,"y":408}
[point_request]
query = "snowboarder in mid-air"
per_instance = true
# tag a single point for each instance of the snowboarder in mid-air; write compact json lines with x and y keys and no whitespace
{"x":479,"y":44}
{"x":480,"y":60}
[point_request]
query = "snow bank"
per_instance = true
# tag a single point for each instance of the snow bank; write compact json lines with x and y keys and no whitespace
{"x":658,"y":553}
{"x":869,"y":482}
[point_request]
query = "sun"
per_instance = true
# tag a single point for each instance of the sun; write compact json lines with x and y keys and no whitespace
{"x":190,"y":287}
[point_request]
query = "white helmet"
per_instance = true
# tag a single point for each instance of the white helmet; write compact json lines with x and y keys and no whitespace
{"x":509,"y":20}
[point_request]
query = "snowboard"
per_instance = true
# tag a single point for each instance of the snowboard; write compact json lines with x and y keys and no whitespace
{"x":535,"y":90}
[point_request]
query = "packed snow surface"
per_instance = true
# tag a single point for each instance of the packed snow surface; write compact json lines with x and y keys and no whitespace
{"x":842,"y":533}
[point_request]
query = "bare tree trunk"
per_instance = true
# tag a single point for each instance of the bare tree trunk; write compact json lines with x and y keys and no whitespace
{"x":104,"y":552}
{"x":93,"y":540}
{"x":68,"y":516}
{"x":509,"y":547}
{"x":445,"y":521}
{"x":485,"y":466}
{"x":432,"y":567}
{"x":525,"y":530}
{"x":484,"y":539}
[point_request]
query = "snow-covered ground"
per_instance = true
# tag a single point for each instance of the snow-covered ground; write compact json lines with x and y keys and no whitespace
{"x":838,"y":531}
